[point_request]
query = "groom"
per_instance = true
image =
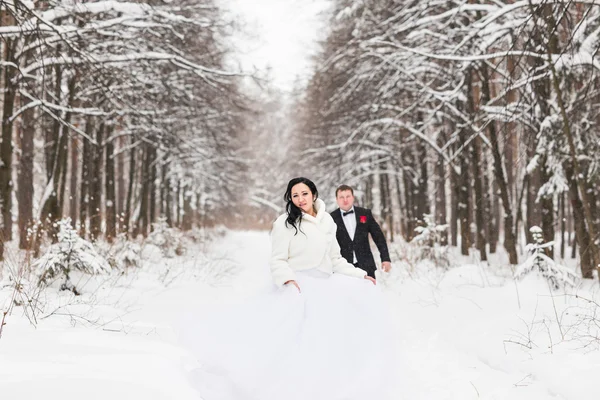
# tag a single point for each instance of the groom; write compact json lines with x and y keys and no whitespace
{"x":353,"y":227}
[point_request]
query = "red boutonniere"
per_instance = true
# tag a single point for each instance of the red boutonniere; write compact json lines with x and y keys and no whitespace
{"x":363,"y":219}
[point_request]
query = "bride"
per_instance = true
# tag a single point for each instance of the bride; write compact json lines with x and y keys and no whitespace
{"x":322,"y":333}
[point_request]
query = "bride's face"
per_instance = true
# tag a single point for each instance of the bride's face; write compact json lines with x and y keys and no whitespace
{"x":302,"y":197}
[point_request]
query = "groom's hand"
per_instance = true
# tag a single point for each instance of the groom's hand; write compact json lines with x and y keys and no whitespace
{"x":367,"y":277}
{"x":386,"y":266}
{"x":295,"y":284}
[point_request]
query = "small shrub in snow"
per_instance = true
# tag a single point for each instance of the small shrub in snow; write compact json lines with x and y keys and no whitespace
{"x":220,"y":231}
{"x":429,"y":240}
{"x":124,"y":253}
{"x":71,"y":252}
{"x":557,"y":275}
{"x":167,"y":239}
{"x":129,"y":255}
{"x":196,"y":235}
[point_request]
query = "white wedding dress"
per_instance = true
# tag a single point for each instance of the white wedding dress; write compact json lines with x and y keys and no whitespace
{"x":332,"y":341}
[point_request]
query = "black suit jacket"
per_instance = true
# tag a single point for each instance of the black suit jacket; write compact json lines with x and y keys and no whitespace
{"x":365,"y":224}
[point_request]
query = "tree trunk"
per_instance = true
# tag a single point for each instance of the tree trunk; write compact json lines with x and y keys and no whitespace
{"x":142,"y":223}
{"x":111,"y":214}
{"x":198,"y":211}
{"x":385,"y":202}
{"x":578,"y":175}
{"x":120,"y":176}
{"x":163,"y":187}
{"x":410,"y":209}
{"x":50,"y":211}
{"x":423,"y":198}
{"x":561,"y":201}
{"x":25,"y":176}
{"x":64,"y":151}
{"x":369,"y":201}
{"x":571,"y":229}
{"x":178,"y":203}
{"x":58,"y":176}
{"x":479,"y":200}
{"x":510,"y":243}
{"x":55,"y":141}
{"x":581,"y":234}
{"x":593,"y":199}
{"x":62,"y":181}
{"x":188,"y":216}
{"x":471,"y":203}
{"x":96,"y":185}
{"x":547,"y":212}
{"x":53,"y":133}
{"x":454,"y":195}
{"x":152,"y":187}
{"x":74,"y":181}
{"x":440,"y":193}
{"x":464,"y":208}
{"x":462,"y":189}
{"x":496,"y":213}
{"x":167,"y":194}
{"x":390,"y":213}
{"x":6,"y":147}
{"x":477,"y":189}
{"x":402,"y":208}
{"x":511,"y":144}
{"x":86,"y":175}
{"x":131,"y":184}
{"x":487,"y":206}
{"x":533,"y":216}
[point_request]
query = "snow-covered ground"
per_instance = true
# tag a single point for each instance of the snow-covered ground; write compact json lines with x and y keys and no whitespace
{"x":467,"y":333}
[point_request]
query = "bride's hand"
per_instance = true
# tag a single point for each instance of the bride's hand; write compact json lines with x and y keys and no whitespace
{"x":367,"y":277}
{"x":295,"y":284}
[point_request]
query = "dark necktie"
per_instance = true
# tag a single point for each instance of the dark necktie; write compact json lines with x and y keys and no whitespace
{"x":347,"y":212}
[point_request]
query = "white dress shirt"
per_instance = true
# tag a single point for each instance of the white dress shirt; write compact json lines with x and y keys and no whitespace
{"x":350,"y":223}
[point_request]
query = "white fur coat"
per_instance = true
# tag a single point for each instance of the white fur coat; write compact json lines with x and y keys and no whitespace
{"x":314,"y":246}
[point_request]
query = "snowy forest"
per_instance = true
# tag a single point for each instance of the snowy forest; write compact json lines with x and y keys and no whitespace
{"x":114,"y":114}
{"x":480,"y":113}
{"x":471,"y":128}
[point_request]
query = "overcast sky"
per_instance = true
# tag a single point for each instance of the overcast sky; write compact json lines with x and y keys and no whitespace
{"x":281,"y":35}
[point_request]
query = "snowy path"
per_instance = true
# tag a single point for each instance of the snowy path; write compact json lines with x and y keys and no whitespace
{"x":457,"y":334}
{"x":452,"y":333}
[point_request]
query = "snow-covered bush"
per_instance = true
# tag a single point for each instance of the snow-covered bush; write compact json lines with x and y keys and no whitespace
{"x":219,"y":231}
{"x":167,"y":239}
{"x":129,"y":255}
{"x":557,"y":275}
{"x":71,"y":252}
{"x":123,"y":253}
{"x":429,"y":241}
{"x":196,"y":235}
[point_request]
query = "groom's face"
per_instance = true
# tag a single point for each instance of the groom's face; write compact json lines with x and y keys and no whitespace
{"x":345,"y":200}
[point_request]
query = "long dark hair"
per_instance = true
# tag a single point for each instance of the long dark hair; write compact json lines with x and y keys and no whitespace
{"x":294,"y":214}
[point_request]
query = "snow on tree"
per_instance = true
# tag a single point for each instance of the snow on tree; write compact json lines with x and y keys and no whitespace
{"x":167,"y":239}
{"x":129,"y":256}
{"x":429,"y":239}
{"x":70,"y":253}
{"x":108,"y":87}
{"x":557,"y":275}
{"x":495,"y":101}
